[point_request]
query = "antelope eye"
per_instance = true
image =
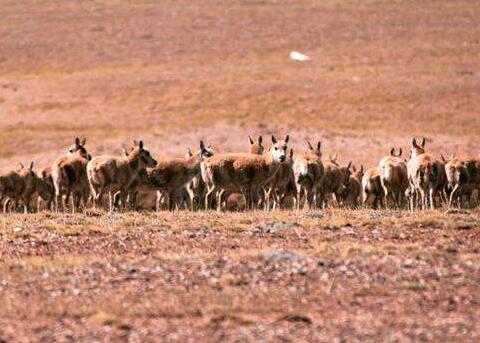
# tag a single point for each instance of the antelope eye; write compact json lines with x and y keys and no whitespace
{"x":276,"y":148}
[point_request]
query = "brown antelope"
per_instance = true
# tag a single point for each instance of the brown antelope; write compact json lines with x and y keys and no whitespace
{"x":45,"y":187}
{"x":241,"y":171}
{"x":372,"y":188}
{"x":394,"y":177}
{"x":78,"y":148}
{"x":17,"y":185}
{"x":256,"y":148}
{"x":283,"y":183}
{"x":353,"y":190}
{"x":308,"y":172}
{"x":463,"y":178}
{"x":172,"y":175}
{"x":426,"y":175}
{"x":335,"y":179}
{"x":115,"y":174}
{"x":68,"y":175}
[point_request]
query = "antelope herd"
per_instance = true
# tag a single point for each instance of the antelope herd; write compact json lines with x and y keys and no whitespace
{"x":265,"y":178}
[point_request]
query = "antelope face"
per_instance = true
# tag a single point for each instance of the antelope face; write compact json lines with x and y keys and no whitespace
{"x":143,"y":154}
{"x":417,"y":149}
{"x":256,"y":147}
{"x":301,"y":171}
{"x":29,"y":177}
{"x":315,"y":150}
{"x":205,"y":151}
{"x":78,"y":148}
{"x":147,"y":158}
{"x":278,"y":150}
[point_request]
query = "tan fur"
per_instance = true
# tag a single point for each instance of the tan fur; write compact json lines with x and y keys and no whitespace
{"x":335,"y":180}
{"x":352,"y":195}
{"x":256,"y":147}
{"x":463,"y":178}
{"x":17,"y":185}
{"x":372,"y":187}
{"x":308,"y":174}
{"x":45,"y":187}
{"x":172,"y":174}
{"x":69,"y":177}
{"x":394,"y":177}
{"x":282,"y":183}
{"x":241,"y":171}
{"x":68,"y":174}
{"x":426,"y":176}
{"x":115,"y":174}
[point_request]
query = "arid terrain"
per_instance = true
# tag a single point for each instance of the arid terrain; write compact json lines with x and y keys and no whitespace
{"x":173,"y":72}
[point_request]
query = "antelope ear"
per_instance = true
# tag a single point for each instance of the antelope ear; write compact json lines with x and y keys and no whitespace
{"x":77,"y":141}
{"x":250,"y":140}
{"x":414,"y":143}
{"x":349,"y":165}
{"x":31,"y":165}
{"x":319,"y":145}
{"x":287,"y":138}
{"x":354,"y":168}
{"x":443,"y":158}
{"x":135,"y":142}
{"x":84,"y":141}
{"x":140,"y":145}
{"x":392,"y":152}
{"x":202,"y":146}
{"x":423,"y":142}
{"x":309,"y":145}
{"x":400,"y":152}
{"x":274,"y":140}
{"x":260,"y":140}
{"x":21,"y":165}
{"x":124,"y":152}
{"x":334,"y":158}
{"x":291,"y":153}
{"x":452,"y":156}
{"x":361,"y":168}
{"x":189,"y":152}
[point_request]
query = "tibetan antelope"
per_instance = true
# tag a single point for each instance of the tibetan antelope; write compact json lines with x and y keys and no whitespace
{"x":115,"y":174}
{"x":241,"y":171}
{"x":17,"y":185}
{"x":353,"y":191}
{"x":257,"y":147}
{"x":426,"y":176}
{"x":335,"y":180}
{"x":172,"y":175}
{"x":282,"y":183}
{"x":463,"y":178}
{"x":308,"y":173}
{"x":394,"y":177}
{"x":372,"y":191}
{"x":45,"y":188}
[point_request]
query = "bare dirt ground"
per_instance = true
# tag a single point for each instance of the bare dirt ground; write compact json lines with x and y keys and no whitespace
{"x":328,"y":276}
{"x":172,"y":72}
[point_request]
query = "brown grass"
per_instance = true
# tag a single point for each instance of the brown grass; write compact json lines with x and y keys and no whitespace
{"x":360,"y":275}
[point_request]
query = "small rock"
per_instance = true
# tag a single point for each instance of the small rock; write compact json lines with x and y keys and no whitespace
{"x":17,"y":229}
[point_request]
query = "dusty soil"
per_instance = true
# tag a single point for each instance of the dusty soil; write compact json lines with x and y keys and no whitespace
{"x":329,"y":276}
{"x":173,"y":72}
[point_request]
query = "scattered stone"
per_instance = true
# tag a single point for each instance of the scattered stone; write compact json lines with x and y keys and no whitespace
{"x":274,"y":226}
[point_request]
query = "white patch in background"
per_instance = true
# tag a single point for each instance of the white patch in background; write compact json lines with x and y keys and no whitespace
{"x":297,"y":56}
